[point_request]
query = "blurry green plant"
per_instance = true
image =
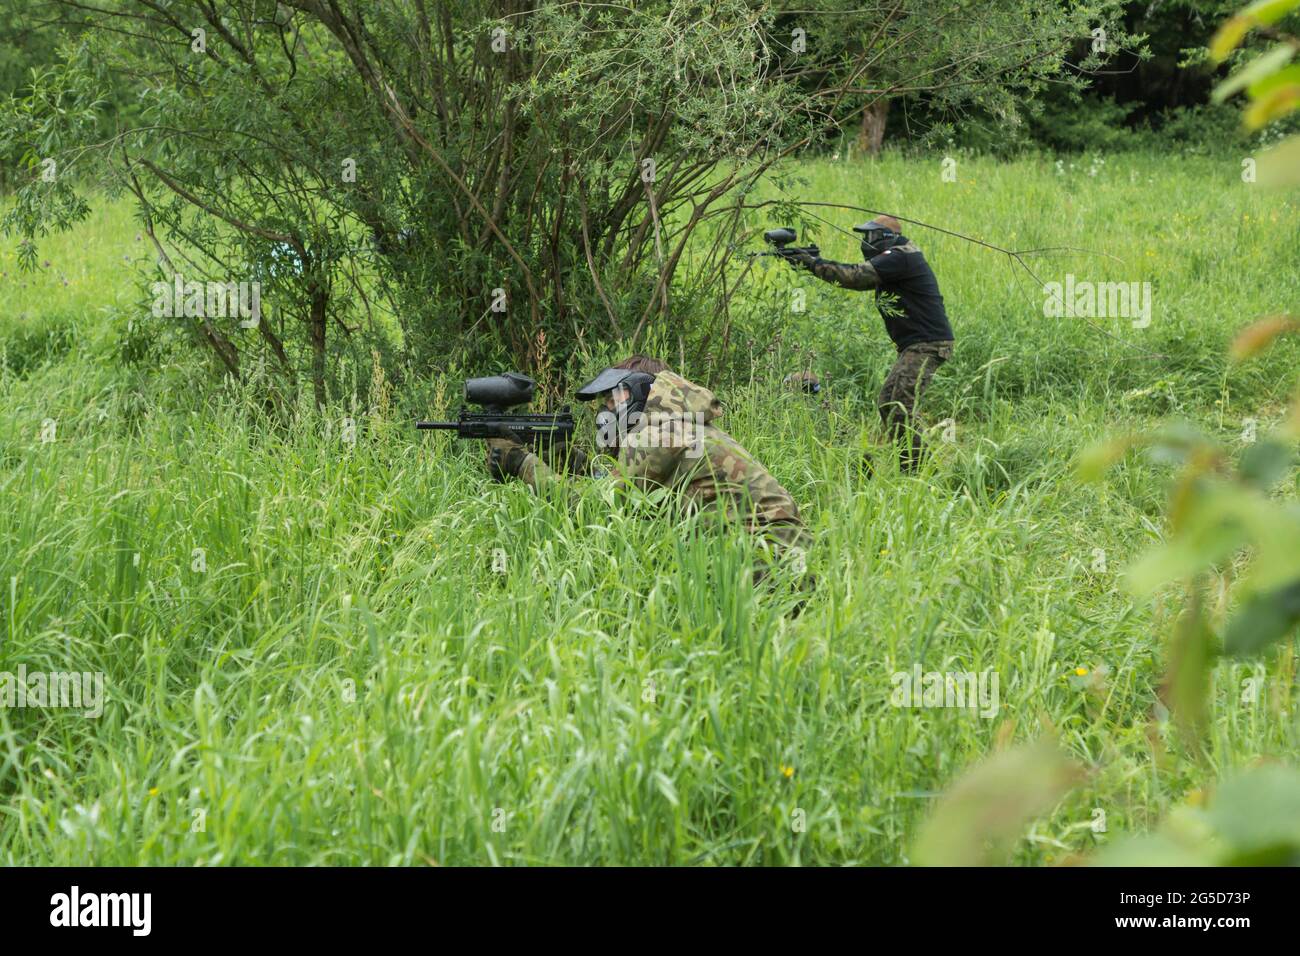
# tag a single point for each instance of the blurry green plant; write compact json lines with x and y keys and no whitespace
{"x":1221,"y":516}
{"x":982,"y":813}
{"x":1270,"y":80}
{"x":1252,"y":820}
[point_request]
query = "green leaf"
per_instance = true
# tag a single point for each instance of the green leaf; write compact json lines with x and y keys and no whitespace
{"x":1186,"y":690}
{"x":980,"y":816}
{"x":1263,"y":620}
{"x":1279,"y":100}
{"x":1274,"y":533}
{"x":1269,"y":11}
{"x":1258,"y":813}
{"x":1229,"y":36}
{"x":1151,"y":849}
{"x":1095,"y":460}
{"x":1257,"y":336}
{"x":1254,"y":820}
{"x":1178,"y":441}
{"x":1280,"y":166}
{"x":1235,"y":28}
{"x":1257,"y":69}
{"x":1264,"y":85}
{"x":1218,"y":520}
{"x":1265,"y":463}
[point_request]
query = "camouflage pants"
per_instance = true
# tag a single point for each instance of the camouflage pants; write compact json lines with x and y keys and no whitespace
{"x":903,"y":387}
{"x":784,"y":550}
{"x":784,"y":540}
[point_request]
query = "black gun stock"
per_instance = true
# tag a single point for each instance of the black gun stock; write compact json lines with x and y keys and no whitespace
{"x":556,"y":428}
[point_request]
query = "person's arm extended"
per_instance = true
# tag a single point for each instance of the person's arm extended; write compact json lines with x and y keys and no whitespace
{"x":648,"y":462}
{"x":649,"y":467}
{"x":860,"y":276}
{"x":508,"y":458}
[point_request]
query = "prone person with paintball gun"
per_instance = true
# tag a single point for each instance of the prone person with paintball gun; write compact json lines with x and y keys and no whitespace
{"x":909,"y":302}
{"x":662,"y":432}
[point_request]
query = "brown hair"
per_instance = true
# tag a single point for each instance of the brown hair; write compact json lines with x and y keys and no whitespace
{"x":643,"y":363}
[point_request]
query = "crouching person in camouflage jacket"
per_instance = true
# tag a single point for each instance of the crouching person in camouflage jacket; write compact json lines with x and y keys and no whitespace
{"x":662,"y":432}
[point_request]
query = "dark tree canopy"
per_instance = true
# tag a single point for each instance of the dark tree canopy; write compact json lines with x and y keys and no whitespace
{"x":515,"y":176}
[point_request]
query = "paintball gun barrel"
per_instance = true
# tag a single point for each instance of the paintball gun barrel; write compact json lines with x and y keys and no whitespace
{"x":496,"y":395}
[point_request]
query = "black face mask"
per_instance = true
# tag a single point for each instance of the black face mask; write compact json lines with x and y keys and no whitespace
{"x":876,"y":241}
{"x":613,"y":426}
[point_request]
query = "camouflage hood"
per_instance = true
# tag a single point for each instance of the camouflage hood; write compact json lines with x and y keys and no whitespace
{"x":673,"y":395}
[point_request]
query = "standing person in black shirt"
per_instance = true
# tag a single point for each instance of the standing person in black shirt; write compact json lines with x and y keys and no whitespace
{"x":908,"y":298}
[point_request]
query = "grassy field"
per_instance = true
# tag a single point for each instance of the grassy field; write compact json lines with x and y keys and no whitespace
{"x":310,"y":659}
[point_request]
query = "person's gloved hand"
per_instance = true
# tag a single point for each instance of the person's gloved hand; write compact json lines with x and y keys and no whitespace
{"x":562,"y":457}
{"x":798,"y":257}
{"x":506,"y":458}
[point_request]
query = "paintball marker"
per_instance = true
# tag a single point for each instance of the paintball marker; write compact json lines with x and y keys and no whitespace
{"x":496,"y":394}
{"x":779,"y":239}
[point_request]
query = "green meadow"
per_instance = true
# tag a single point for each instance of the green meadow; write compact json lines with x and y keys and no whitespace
{"x":338,"y":642}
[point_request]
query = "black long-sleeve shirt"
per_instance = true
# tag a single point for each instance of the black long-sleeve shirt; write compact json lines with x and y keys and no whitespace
{"x":907,"y":292}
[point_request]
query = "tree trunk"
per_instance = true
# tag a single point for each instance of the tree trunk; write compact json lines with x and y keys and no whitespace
{"x":872,"y":134}
{"x":319,"y":298}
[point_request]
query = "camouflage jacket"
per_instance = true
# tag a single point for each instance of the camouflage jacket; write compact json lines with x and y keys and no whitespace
{"x":676,"y":445}
{"x":859,"y":276}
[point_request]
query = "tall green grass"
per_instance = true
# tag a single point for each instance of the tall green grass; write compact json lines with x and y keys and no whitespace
{"x":340,"y":676}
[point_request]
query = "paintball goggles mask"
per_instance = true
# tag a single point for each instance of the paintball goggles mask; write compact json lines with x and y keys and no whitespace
{"x":875,"y":238}
{"x":630,"y":391}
